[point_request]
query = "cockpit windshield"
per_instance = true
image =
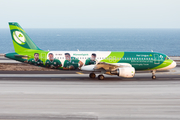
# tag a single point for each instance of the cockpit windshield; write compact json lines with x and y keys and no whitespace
{"x":167,"y":58}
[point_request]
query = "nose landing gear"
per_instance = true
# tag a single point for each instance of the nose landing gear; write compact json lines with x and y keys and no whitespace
{"x":153,"y":74}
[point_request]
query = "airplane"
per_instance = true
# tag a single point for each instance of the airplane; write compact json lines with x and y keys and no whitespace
{"x":120,"y":63}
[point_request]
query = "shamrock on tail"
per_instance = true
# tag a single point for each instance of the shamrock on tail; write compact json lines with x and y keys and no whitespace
{"x":20,"y":35}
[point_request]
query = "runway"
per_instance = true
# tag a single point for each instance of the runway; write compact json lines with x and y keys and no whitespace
{"x":81,"y":75}
{"x":77,"y":97}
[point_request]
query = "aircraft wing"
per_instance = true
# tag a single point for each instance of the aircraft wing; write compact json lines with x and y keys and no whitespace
{"x":106,"y":67}
{"x":110,"y":66}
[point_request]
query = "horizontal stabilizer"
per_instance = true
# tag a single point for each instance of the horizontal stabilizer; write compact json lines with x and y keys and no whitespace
{"x":20,"y":55}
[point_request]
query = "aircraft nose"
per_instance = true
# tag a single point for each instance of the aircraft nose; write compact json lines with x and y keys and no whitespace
{"x":172,"y":65}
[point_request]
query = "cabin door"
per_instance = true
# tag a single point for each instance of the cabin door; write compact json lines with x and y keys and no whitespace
{"x":156,"y":59}
{"x":43,"y":57}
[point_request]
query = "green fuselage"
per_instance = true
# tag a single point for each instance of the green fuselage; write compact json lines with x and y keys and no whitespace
{"x":138,"y":60}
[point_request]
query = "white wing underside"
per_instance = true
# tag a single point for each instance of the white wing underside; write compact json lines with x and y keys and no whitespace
{"x":110,"y":66}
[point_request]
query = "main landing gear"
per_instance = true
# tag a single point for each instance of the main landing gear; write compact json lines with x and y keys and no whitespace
{"x":101,"y":77}
{"x":153,"y":74}
{"x":93,"y":75}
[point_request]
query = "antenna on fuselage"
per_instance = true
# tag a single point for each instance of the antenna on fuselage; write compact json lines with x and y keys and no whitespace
{"x":151,"y":50}
{"x":77,"y":49}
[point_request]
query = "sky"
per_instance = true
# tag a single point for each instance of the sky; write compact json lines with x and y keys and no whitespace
{"x":91,"y":13}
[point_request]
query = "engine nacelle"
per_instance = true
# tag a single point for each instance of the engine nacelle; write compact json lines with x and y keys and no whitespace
{"x":127,"y":72}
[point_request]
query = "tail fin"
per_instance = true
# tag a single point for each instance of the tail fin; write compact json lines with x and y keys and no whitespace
{"x":21,"y":40}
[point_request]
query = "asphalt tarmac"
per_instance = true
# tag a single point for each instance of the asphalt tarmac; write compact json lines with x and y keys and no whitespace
{"x":74,"y":96}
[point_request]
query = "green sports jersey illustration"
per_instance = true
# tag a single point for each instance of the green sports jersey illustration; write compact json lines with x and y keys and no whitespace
{"x":53,"y":63}
{"x":73,"y":62}
{"x":90,"y":62}
{"x":34,"y":62}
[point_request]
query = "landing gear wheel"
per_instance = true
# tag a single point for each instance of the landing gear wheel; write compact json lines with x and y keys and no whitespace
{"x":92,"y":75}
{"x":153,"y":74}
{"x":153,"y":77}
{"x":101,"y":77}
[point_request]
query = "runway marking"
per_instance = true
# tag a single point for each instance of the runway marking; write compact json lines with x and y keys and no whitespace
{"x":79,"y":73}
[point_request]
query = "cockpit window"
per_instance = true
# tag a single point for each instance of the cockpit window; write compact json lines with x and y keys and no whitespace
{"x":167,"y":58}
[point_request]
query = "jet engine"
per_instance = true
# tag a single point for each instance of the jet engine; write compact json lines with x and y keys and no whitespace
{"x":127,"y":72}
